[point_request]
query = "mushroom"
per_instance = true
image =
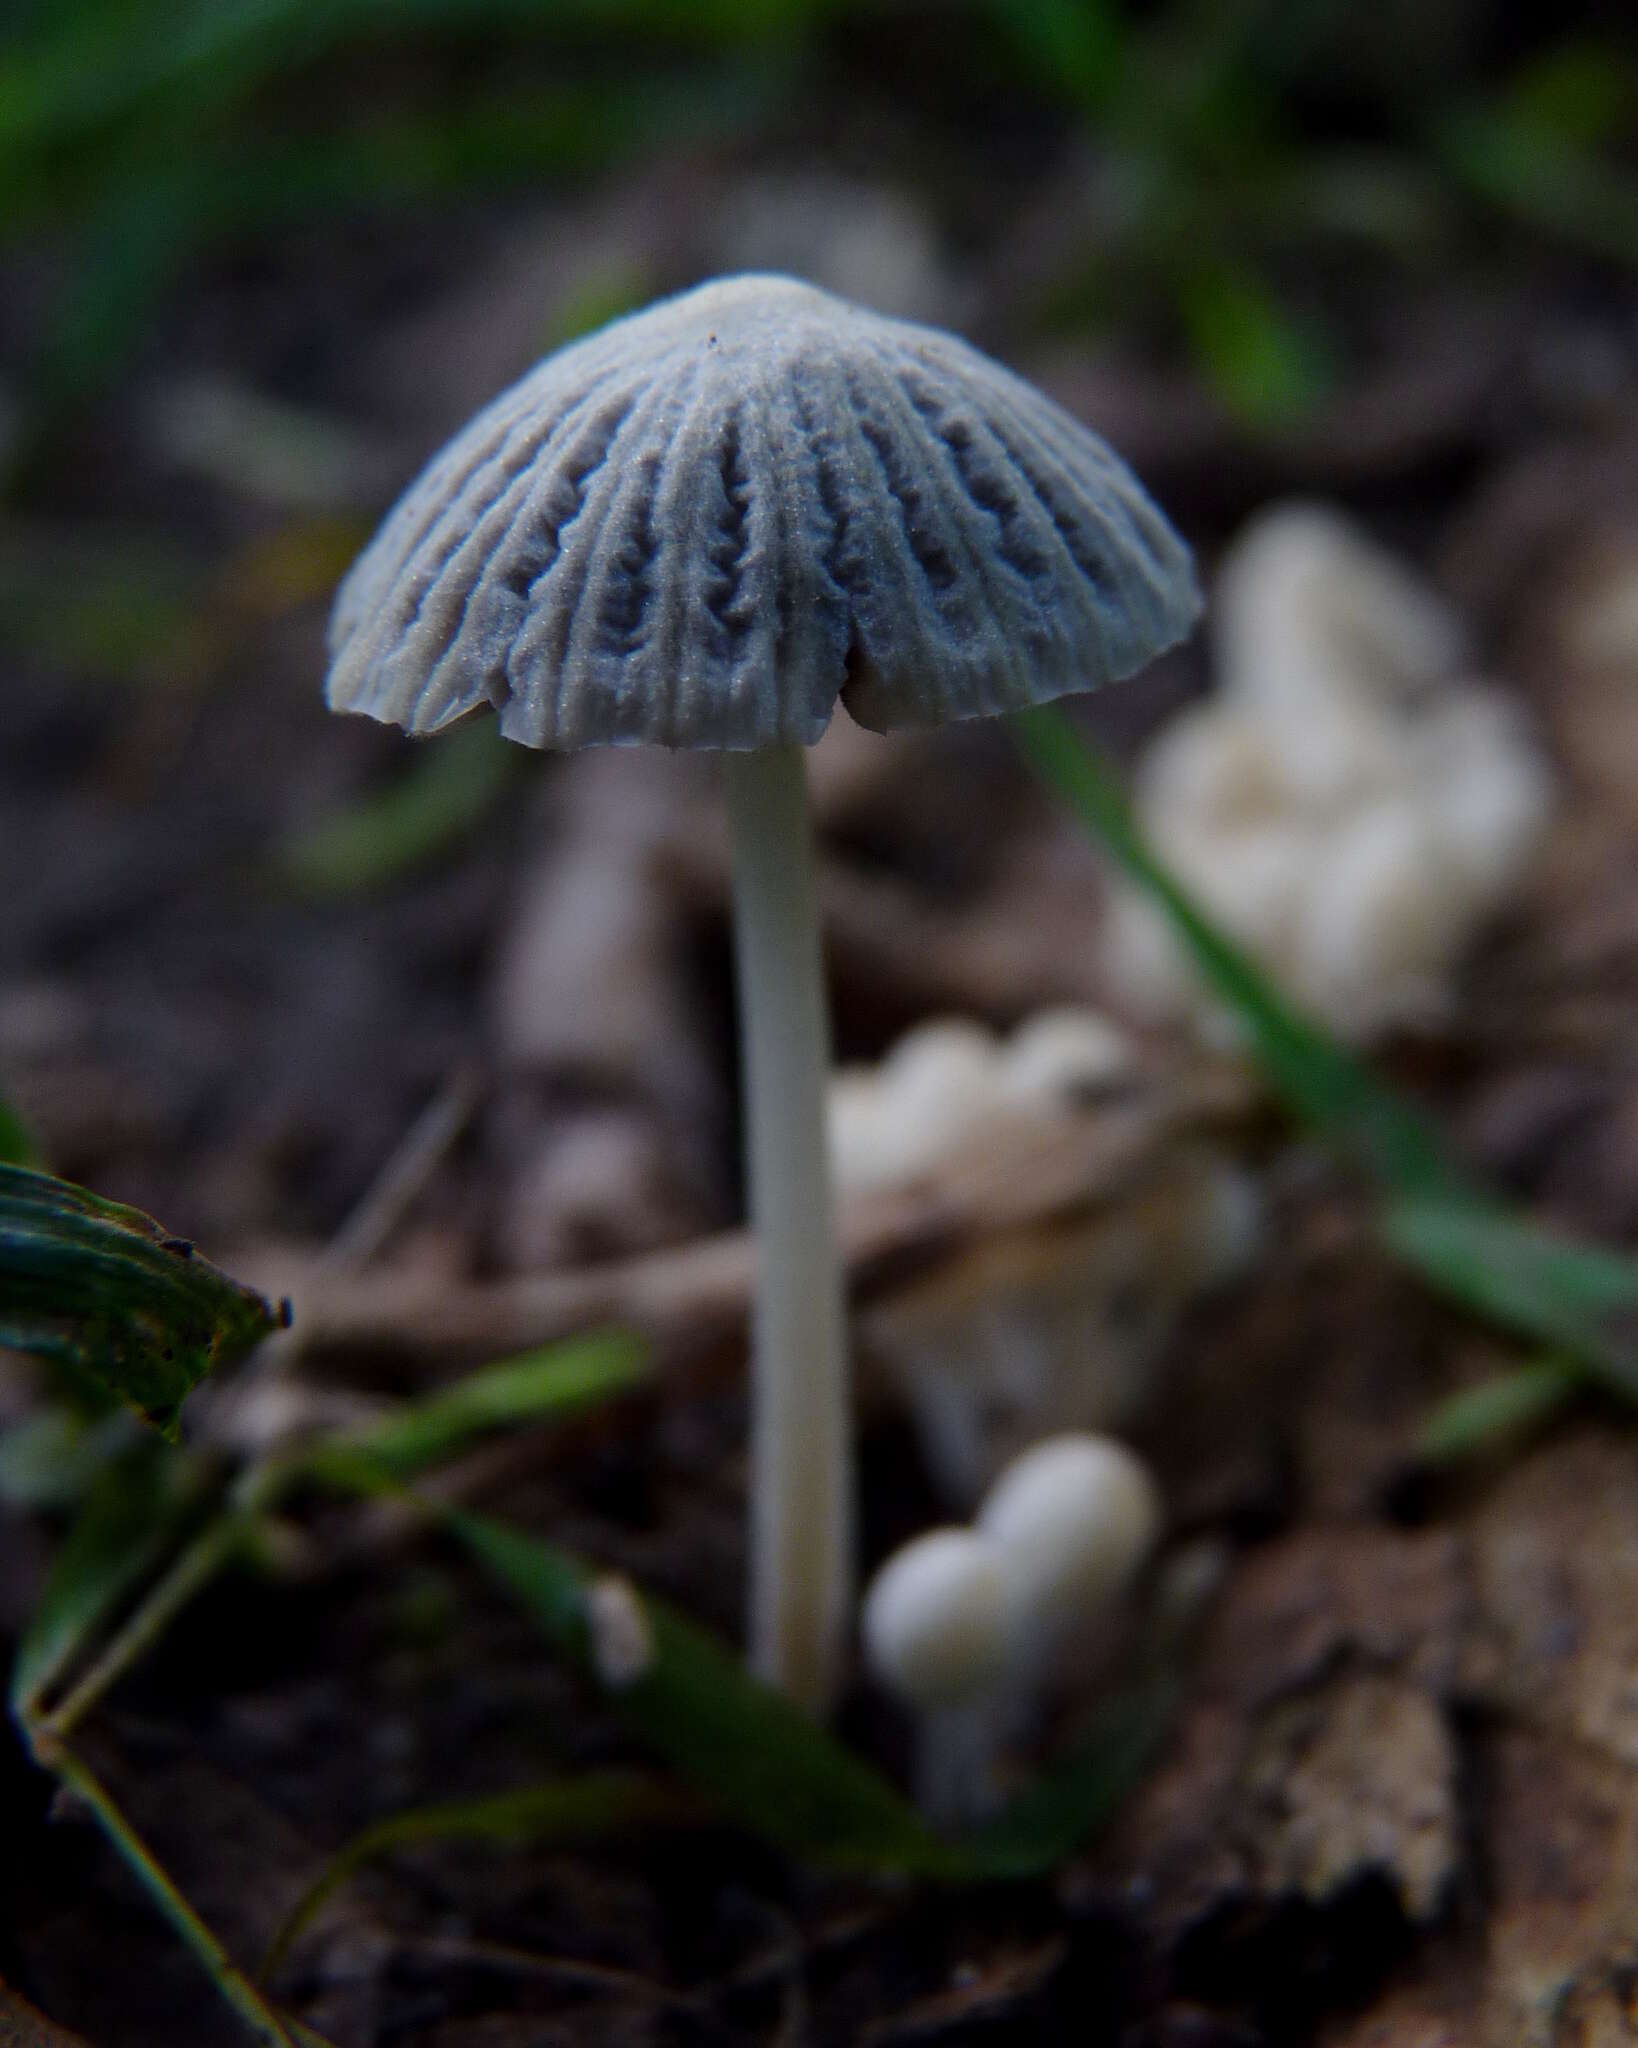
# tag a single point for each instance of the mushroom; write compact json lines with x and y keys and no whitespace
{"x":1072,"y":1520}
{"x":965,"y":1626}
{"x":1351,"y":805}
{"x":936,"y":1634}
{"x":701,"y":527}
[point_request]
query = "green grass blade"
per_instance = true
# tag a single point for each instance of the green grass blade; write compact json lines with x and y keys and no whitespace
{"x":102,"y":1291}
{"x":1579,"y":1299}
{"x":1550,"y":185}
{"x":756,"y":1759}
{"x":744,"y":1748}
{"x":234,"y":1986}
{"x":1469,"y":1422}
{"x":1576,"y":1300}
{"x":442,"y":798}
{"x":1074,"y":1797}
{"x":556,"y":1381}
{"x":567,"y":1809}
{"x":128,"y":1522}
{"x":1268,"y":367}
{"x":1319,"y":1080}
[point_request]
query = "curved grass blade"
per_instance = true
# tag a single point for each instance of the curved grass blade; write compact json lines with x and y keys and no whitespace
{"x":441,"y":799}
{"x":756,"y":1759}
{"x":235,"y":1987}
{"x":104,"y":1292}
{"x":1076,"y":1796}
{"x":558,"y":1380}
{"x":129,"y":1520}
{"x":1319,"y":1080}
{"x":1510,"y":1404}
{"x":566,"y":1809}
{"x":1580,"y":1299}
{"x":747,"y":1750}
{"x":1577,"y":1300}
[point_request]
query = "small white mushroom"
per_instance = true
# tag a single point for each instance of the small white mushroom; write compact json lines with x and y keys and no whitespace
{"x":937,"y":1088}
{"x":966,"y":1625}
{"x":936,"y":1634}
{"x":1038,"y":1332}
{"x":1303,"y":597}
{"x":1338,"y":749}
{"x":941,"y":1078}
{"x":1349,"y":806}
{"x":1213,"y":763}
{"x":1063,"y":1056}
{"x":935,"y":1619}
{"x":1249,"y":880}
{"x":1073,"y":1520}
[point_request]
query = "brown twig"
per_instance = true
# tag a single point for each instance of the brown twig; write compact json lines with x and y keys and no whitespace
{"x":1030,"y":1177}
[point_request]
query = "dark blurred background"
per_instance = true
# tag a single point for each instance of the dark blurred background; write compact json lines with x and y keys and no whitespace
{"x":257,"y":260}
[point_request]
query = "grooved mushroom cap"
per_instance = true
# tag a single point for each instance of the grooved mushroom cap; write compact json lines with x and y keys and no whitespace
{"x":704,"y":524}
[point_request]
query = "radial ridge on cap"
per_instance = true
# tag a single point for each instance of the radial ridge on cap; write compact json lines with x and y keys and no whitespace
{"x":706,"y":523}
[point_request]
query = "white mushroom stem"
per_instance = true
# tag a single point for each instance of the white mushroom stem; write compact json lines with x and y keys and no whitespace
{"x":935,"y":1628}
{"x":801,"y":1562}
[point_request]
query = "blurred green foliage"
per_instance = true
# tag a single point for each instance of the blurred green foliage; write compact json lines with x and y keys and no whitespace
{"x":1232,"y":141}
{"x":442,"y":798}
{"x":17,"y":1147}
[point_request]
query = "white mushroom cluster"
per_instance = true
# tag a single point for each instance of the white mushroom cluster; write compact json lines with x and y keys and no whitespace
{"x":1042,"y":1330}
{"x":966,"y":1625}
{"x":949,"y":1080}
{"x":1351,"y":805}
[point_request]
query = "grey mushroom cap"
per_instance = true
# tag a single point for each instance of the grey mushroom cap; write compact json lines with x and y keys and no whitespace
{"x":703,"y":525}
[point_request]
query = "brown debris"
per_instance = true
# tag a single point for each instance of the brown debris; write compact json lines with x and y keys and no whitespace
{"x":1358,"y":1777}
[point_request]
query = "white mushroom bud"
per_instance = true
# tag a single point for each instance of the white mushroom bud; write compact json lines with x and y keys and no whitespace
{"x":1073,"y":1520}
{"x":864,"y":1152}
{"x":938,"y":1087}
{"x":935,"y":1619}
{"x":1064,"y":1055}
{"x":1215,"y":765}
{"x":1343,"y":747}
{"x":1249,"y":880}
{"x":937,"y":1635}
{"x":1304,"y":601}
{"x":942,"y":1077}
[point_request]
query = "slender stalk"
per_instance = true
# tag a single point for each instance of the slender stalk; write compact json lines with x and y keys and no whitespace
{"x":216,"y":1545}
{"x":188,"y":1575}
{"x":230,"y":1980}
{"x":801,"y":1479}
